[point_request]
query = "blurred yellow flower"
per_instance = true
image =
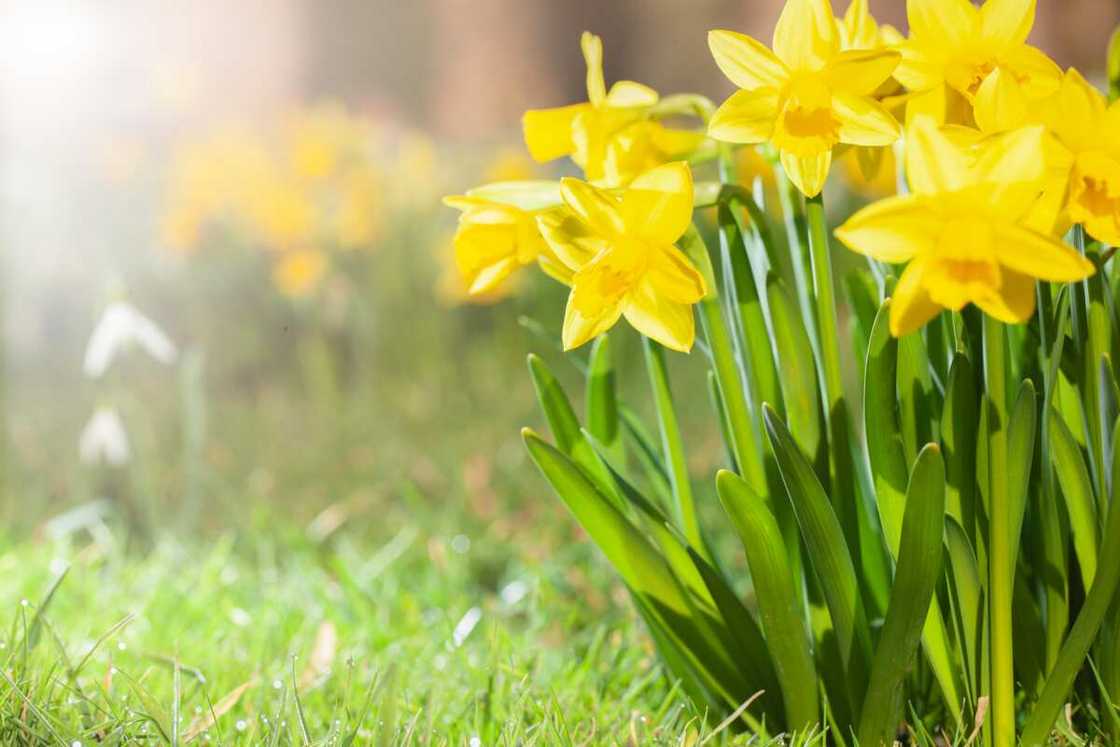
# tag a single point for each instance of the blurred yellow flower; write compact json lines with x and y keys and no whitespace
{"x":509,"y":165}
{"x":498,"y":231}
{"x":281,"y":213}
{"x":298,"y":272}
{"x":870,"y":170}
{"x":806,"y":96}
{"x":357,"y":214}
{"x":619,"y":244}
{"x":318,"y":141}
{"x":611,"y":136}
{"x":963,"y":229}
{"x":876,"y":176}
{"x":954,"y":46}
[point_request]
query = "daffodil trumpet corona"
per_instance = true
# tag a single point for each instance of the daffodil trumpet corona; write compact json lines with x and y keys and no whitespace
{"x":920,"y":448}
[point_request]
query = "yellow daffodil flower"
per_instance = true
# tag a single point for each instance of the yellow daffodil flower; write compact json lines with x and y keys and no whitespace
{"x":962,"y":230}
{"x":498,"y":232}
{"x":806,"y":96}
{"x":299,"y":272}
{"x":1087,"y":130}
{"x":954,"y":46}
{"x":610,"y":136}
{"x":619,"y":245}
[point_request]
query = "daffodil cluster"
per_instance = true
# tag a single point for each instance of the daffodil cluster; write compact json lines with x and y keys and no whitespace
{"x":303,"y":192}
{"x":951,"y":560}
{"x":610,"y":236}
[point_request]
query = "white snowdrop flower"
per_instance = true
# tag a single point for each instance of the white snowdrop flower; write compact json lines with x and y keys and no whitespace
{"x":514,"y":592}
{"x":104,"y":439}
{"x":465,"y":625}
{"x":121,"y":326}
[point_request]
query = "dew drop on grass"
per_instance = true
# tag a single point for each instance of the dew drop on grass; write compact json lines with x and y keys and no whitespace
{"x":24,"y":603}
{"x":241,"y":725}
{"x":277,"y":684}
{"x":475,"y":742}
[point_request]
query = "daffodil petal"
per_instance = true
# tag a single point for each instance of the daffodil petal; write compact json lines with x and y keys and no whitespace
{"x":860,"y":29}
{"x":892,"y":230}
{"x":1039,"y":74}
{"x":548,"y":132}
{"x":1013,"y":157}
{"x":1031,"y":253}
{"x":658,"y":204}
{"x":949,"y":22}
{"x":1007,"y":22}
{"x":593,"y":206}
{"x":745,"y":61}
{"x":1000,"y":104}
{"x":627,"y":93}
{"x":675,"y":277}
{"x":863,"y":121}
{"x":1013,"y":303}
{"x":552,"y":266}
{"x":806,"y":36}
{"x":933,"y":163}
{"x":579,"y":329}
{"x":808,"y":173}
{"x":665,"y":321}
{"x":911,"y":306}
{"x":490,"y":277}
{"x":746,"y":117}
{"x":861,"y":71}
{"x":569,"y":239}
{"x":1075,"y":111}
{"x":525,"y":195}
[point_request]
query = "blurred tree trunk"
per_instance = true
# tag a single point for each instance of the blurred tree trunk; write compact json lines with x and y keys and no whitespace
{"x":489,"y":66}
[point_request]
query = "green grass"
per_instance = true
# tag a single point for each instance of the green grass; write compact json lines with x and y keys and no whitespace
{"x":131,"y":638}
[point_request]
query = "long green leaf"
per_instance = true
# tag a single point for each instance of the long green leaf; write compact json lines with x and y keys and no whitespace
{"x":1020,"y":457}
{"x":602,"y":396}
{"x":562,"y":420}
{"x":1075,"y":484}
{"x":643,"y":569}
{"x":800,"y":389}
{"x":778,"y":606}
{"x":827,"y":551}
{"x":958,"y":439}
{"x":881,"y":428}
{"x":672,"y":444}
{"x":1084,"y":631}
{"x":919,"y":567}
{"x":967,"y":599}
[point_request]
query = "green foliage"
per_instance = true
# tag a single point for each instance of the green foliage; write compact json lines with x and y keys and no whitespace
{"x":920,"y":571}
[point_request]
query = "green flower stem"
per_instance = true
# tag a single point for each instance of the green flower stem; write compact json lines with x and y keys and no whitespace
{"x":728,"y":378}
{"x":832,"y":387}
{"x":793,"y":210}
{"x":825,"y":295}
{"x":1000,"y":541}
{"x":672,"y":444}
